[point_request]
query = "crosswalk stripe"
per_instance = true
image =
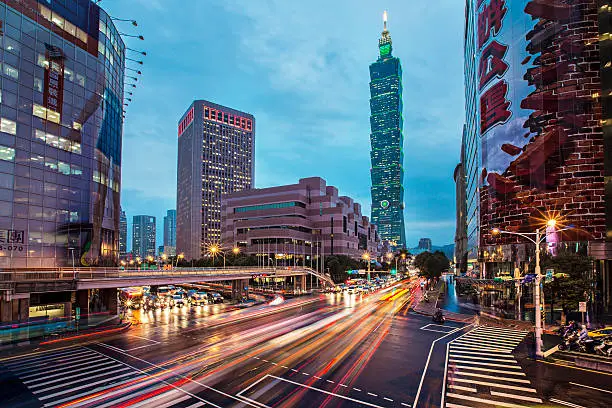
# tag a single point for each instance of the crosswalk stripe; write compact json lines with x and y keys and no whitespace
{"x":514,"y":396}
{"x":155,"y":398}
{"x":451,"y":405}
{"x":501,"y":334}
{"x":75,"y":356}
{"x":63,"y":368}
{"x":500,"y":355}
{"x":66,"y":365}
{"x":490,"y":377}
{"x":501,"y":360}
{"x":46,"y":356}
{"x":171,"y":403}
{"x":46,"y":397}
{"x":491,"y":370}
{"x":89,"y":392}
{"x":461,"y":388}
{"x":145,"y":387}
{"x":484,"y":401}
{"x":80,"y":380}
{"x":487,"y":349}
{"x":490,"y":384}
{"x":79,"y":373}
{"x":484,"y":364}
{"x":484,"y":343}
{"x":488,"y":338}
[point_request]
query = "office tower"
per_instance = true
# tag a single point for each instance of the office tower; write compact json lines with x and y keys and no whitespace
{"x":216,"y":156}
{"x":425,"y":243}
{"x":122,"y":235}
{"x":143,"y":236}
{"x":170,"y":228}
{"x":387,"y":139}
{"x":60,"y":134}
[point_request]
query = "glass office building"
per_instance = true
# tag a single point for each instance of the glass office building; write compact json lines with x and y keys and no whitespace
{"x":471,"y":140}
{"x":216,"y":156}
{"x":61,"y":119}
{"x":387,"y":141}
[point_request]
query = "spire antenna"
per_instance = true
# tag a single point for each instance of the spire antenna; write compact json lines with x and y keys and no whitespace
{"x":385,"y":20}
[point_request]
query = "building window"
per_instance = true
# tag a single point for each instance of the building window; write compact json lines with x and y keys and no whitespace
{"x":10,"y":71}
{"x":45,"y":113}
{"x":7,"y":153}
{"x":8,"y":126}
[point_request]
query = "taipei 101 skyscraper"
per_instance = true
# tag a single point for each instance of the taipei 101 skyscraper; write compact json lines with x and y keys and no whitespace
{"x":387,"y":142}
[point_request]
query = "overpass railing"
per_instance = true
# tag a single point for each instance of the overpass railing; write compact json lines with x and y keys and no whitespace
{"x":116,"y":273}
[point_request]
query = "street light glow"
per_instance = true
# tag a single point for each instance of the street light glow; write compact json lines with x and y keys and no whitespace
{"x":389,"y":255}
{"x":236,"y":250}
{"x":495,"y":231}
{"x":552,"y":222}
{"x":366,"y":256}
{"x":213,"y":249}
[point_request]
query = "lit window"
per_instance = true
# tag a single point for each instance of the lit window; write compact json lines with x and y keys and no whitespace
{"x":81,"y":35}
{"x":7,"y":153}
{"x":57,"y":20}
{"x":8,"y":126}
{"x":53,"y":116}
{"x":63,"y":168}
{"x":80,"y":79}
{"x":42,"y":61}
{"x":76,"y":126}
{"x":39,"y":111}
{"x":10,"y":71}
{"x":70,"y":28}
{"x":38,"y":84}
{"x":45,"y":12}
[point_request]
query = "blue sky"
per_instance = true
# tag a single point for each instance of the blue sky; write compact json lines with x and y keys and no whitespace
{"x":301,"y":67}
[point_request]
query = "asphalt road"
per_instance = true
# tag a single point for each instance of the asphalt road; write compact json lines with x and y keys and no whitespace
{"x":324,"y":351}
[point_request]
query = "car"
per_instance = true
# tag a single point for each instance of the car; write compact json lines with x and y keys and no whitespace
{"x":606,"y":331}
{"x":216,"y":297}
{"x":176,"y":300}
{"x":351,"y":289}
{"x":199,"y":298}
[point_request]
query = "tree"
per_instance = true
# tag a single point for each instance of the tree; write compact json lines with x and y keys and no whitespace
{"x":339,"y":265}
{"x":431,"y":265}
{"x":568,"y":291}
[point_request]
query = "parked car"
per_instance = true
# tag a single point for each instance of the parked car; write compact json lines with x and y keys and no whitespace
{"x":176,"y":300}
{"x":199,"y":298}
{"x":606,"y":331}
{"x":216,"y":297}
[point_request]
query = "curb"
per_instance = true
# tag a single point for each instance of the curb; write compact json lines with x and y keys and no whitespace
{"x":123,"y":327}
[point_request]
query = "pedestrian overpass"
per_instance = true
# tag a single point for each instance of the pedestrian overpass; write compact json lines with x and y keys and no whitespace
{"x":19,"y":287}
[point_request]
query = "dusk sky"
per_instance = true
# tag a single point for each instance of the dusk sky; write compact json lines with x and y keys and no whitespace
{"x":301,"y":68}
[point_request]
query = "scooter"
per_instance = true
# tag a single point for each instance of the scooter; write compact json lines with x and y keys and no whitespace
{"x":604,"y":348}
{"x":438,"y":317}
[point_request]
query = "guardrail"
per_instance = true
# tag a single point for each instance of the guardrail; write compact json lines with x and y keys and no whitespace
{"x":81,"y":274}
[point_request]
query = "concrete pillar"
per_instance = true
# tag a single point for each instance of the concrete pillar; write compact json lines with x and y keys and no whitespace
{"x":82,"y":301}
{"x":300,"y":283}
{"x":15,"y":308}
{"x":238,"y":291}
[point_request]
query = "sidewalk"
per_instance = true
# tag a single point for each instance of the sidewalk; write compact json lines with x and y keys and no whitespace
{"x":428,"y":308}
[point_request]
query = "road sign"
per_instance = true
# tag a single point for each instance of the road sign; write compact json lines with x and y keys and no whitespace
{"x":549,"y":275}
{"x":582,"y":306}
{"x":77,"y":313}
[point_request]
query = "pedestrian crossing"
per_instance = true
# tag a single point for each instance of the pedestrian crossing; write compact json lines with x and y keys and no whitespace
{"x":84,"y":377}
{"x":482,"y":371}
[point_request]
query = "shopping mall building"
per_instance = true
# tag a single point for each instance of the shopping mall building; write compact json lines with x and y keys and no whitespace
{"x":296,"y":224}
{"x":61,"y":117}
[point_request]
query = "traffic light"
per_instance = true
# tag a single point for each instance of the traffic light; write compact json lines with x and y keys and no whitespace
{"x":393,"y":271}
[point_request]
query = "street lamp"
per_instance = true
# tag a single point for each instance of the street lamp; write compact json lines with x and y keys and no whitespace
{"x":366,"y":257}
{"x":179,"y":256}
{"x":390,"y":256}
{"x":215,"y":249}
{"x":539,"y":238}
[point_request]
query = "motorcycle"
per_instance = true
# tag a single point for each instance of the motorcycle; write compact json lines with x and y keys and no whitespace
{"x":438,"y":317}
{"x":604,"y":348}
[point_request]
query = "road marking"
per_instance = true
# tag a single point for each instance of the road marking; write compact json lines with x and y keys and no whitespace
{"x":273,"y":363}
{"x":256,"y":358}
{"x":449,"y":405}
{"x":263,"y":359}
{"x":252,"y":385}
{"x":305,"y":373}
{"x":80,"y":374}
{"x":416,"y":399}
{"x":499,"y":360}
{"x":593,"y":388}
{"x":496,"y":385}
{"x":30,"y":360}
{"x":519,"y":397}
{"x":487,"y":349}
{"x":75,"y":358}
{"x":155,"y":398}
{"x":326,"y":392}
{"x":490,"y":377}
{"x":491,"y":370}
{"x":317,"y":377}
{"x":372,"y":394}
{"x":330,"y":381}
{"x":80,"y":380}
{"x":569,"y":404}
{"x":461,"y":388}
{"x":484,"y":364}
{"x":342,"y":385}
{"x":61,"y":367}
{"x":293,"y":369}
{"x":484,"y":400}
{"x":356,"y":389}
{"x":404,"y":404}
{"x":284,"y":366}
{"x":196,"y":405}
{"x":171,"y":403}
{"x":432,"y":330}
{"x":456,"y":350}
{"x":388,"y":399}
{"x":46,"y":397}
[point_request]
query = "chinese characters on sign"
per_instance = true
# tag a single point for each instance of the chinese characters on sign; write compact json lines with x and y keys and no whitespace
{"x":12,"y":240}
{"x":54,"y":80}
{"x":493,"y":103}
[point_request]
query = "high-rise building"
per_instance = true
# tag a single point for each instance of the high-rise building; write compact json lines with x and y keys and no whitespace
{"x":143,"y":236}
{"x":387,"y":140}
{"x":296,"y":224}
{"x":123,"y":228}
{"x":216,"y":156}
{"x":425,"y":243}
{"x":170,"y":228}
{"x":460,"y":250}
{"x":537,"y":131}
{"x":60,"y":134}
